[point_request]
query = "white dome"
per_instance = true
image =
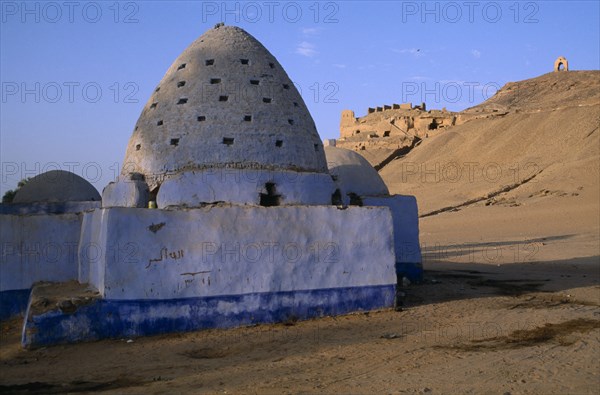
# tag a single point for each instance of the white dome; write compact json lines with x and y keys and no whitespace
{"x":226,"y":124}
{"x":224,"y":103}
{"x":353,"y":173}
{"x":57,"y":186}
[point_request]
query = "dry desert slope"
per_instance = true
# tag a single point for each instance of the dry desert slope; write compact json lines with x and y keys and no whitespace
{"x":529,"y":169}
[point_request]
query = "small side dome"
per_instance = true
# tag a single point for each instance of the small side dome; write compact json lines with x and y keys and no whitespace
{"x":353,"y":173}
{"x":57,"y":186}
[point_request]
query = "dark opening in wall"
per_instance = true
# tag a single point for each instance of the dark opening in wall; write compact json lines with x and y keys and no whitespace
{"x":336,"y":198}
{"x":228,"y":140}
{"x":386,"y":133}
{"x":248,"y":118}
{"x":201,"y":118}
{"x":272,"y":65}
{"x":357,"y":132}
{"x":266,"y":100}
{"x":153,"y":194}
{"x":286,"y":86}
{"x":291,"y":121}
{"x":138,"y":147}
{"x":295,"y":104}
{"x":181,"y":66}
{"x":278,"y":143}
{"x":209,"y":62}
{"x":180,"y":84}
{"x":317,"y":147}
{"x":215,"y":80}
{"x":355,"y":200}
{"x":175,"y":142}
{"x":433,"y":125}
{"x":153,"y":105}
{"x":182,"y":101}
{"x":244,"y":61}
{"x":271,"y":198}
{"x":223,"y":98}
{"x":159,"y":123}
{"x":157,"y":89}
{"x":254,"y":82}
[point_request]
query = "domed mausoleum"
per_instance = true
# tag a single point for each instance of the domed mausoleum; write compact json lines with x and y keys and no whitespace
{"x":249,"y":225}
{"x":226,"y":124}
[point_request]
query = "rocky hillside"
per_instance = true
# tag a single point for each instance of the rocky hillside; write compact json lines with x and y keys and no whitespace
{"x":535,"y":143}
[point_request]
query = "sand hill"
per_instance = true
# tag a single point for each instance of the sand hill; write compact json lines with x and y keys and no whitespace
{"x":533,"y":160}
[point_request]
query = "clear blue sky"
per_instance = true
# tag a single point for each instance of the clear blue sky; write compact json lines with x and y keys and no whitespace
{"x":76,"y":75}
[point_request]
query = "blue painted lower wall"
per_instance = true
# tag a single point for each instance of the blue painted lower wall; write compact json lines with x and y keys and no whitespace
{"x":131,"y":318}
{"x":411,"y":270}
{"x":13,"y":303}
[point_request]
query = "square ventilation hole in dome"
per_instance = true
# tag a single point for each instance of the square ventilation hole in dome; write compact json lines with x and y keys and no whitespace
{"x":201,"y":118}
{"x":244,"y":61}
{"x":291,"y":121}
{"x":266,"y":100}
{"x":215,"y":80}
{"x":228,"y":140}
{"x":209,"y":62}
{"x":182,"y":101}
{"x":295,"y":104}
{"x":153,"y":105}
{"x":180,"y":84}
{"x":174,"y":142}
{"x":138,"y":147}
{"x":317,"y":147}
{"x":286,"y":86}
{"x":254,"y":82}
{"x":223,"y":98}
{"x":159,"y":123}
{"x":279,"y":143}
{"x":272,"y":65}
{"x":181,"y":66}
{"x":248,"y":118}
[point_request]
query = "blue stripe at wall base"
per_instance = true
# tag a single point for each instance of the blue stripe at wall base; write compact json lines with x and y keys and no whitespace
{"x":130,"y":318}
{"x":13,"y":303}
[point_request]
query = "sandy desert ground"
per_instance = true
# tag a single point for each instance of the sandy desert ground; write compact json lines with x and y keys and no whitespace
{"x":510,"y":303}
